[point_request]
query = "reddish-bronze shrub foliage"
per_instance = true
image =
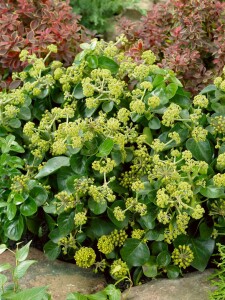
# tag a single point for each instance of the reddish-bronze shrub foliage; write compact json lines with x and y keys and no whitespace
{"x":34,"y":24}
{"x":187,"y":36}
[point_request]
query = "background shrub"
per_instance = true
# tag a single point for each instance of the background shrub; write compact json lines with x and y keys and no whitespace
{"x":32,"y":25}
{"x":186,"y":36}
{"x":97,"y":15}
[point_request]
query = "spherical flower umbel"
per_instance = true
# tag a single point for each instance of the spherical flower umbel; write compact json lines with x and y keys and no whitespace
{"x":137,"y":106}
{"x":200,"y":101}
{"x":119,"y":269}
{"x":80,"y":218}
{"x":153,"y":101}
{"x":171,"y":114}
{"x":217,"y":81}
{"x":85,"y":257}
{"x":182,"y":256}
{"x":105,"y":244}
{"x":199,"y":134}
{"x":220,"y":161}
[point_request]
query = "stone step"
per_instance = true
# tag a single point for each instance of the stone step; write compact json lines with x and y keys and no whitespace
{"x":63,"y":278}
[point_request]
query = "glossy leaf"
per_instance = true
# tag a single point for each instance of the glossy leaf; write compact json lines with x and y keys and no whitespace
{"x":92,"y":61}
{"x":14,"y":229}
{"x":163,"y":259}
{"x":52,"y":165}
{"x":173,"y":272}
{"x":78,"y":92}
{"x":39,"y":194}
{"x":105,"y":148}
{"x":171,"y":90}
{"x":107,"y":63}
{"x":28,"y":208}
{"x":51,"y":250}
{"x":11,"y":210}
{"x":212,"y":191}
{"x":150,"y":268}
{"x":97,"y":207}
{"x":134,"y":252}
{"x":78,"y":164}
{"x":200,"y":150}
{"x":66,"y":222}
{"x":154,"y":123}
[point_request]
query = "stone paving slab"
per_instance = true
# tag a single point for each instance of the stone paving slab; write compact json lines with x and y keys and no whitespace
{"x":60,"y":277}
{"x":193,"y":286}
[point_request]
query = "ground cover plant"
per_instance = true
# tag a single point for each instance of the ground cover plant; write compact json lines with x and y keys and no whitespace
{"x":122,"y":168}
{"x":186,"y":36}
{"x":33,"y":25}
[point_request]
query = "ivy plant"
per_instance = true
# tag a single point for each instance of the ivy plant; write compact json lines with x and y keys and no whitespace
{"x":126,"y":168}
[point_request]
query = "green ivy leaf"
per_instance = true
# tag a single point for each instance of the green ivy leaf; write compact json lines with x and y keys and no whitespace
{"x":39,"y":194}
{"x":11,"y":211}
{"x":99,"y":227}
{"x":18,"y":199}
{"x":51,"y":250}
{"x":205,"y":231}
{"x":171,"y":90}
{"x":154,"y":123}
{"x":92,"y":61}
{"x":14,"y":123}
{"x":106,"y":63}
{"x":107,"y":106}
{"x":208,"y":89}
{"x":147,"y":133}
{"x":66,"y":222}
{"x":212,"y":191}
{"x":105,"y":148}
{"x":173,"y":272}
{"x":78,"y":92}
{"x":134,"y":252}
{"x":157,"y":247}
{"x":200,"y":150}
{"x":52,"y":165}
{"x":43,"y":94}
{"x":78,"y":164}
{"x":158,"y":80}
{"x":112,"y":292}
{"x":97,"y":207}
{"x":150,"y":268}
{"x":29,"y":207}
{"x":163,"y":259}
{"x":24,"y":113}
{"x":14,"y":229}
